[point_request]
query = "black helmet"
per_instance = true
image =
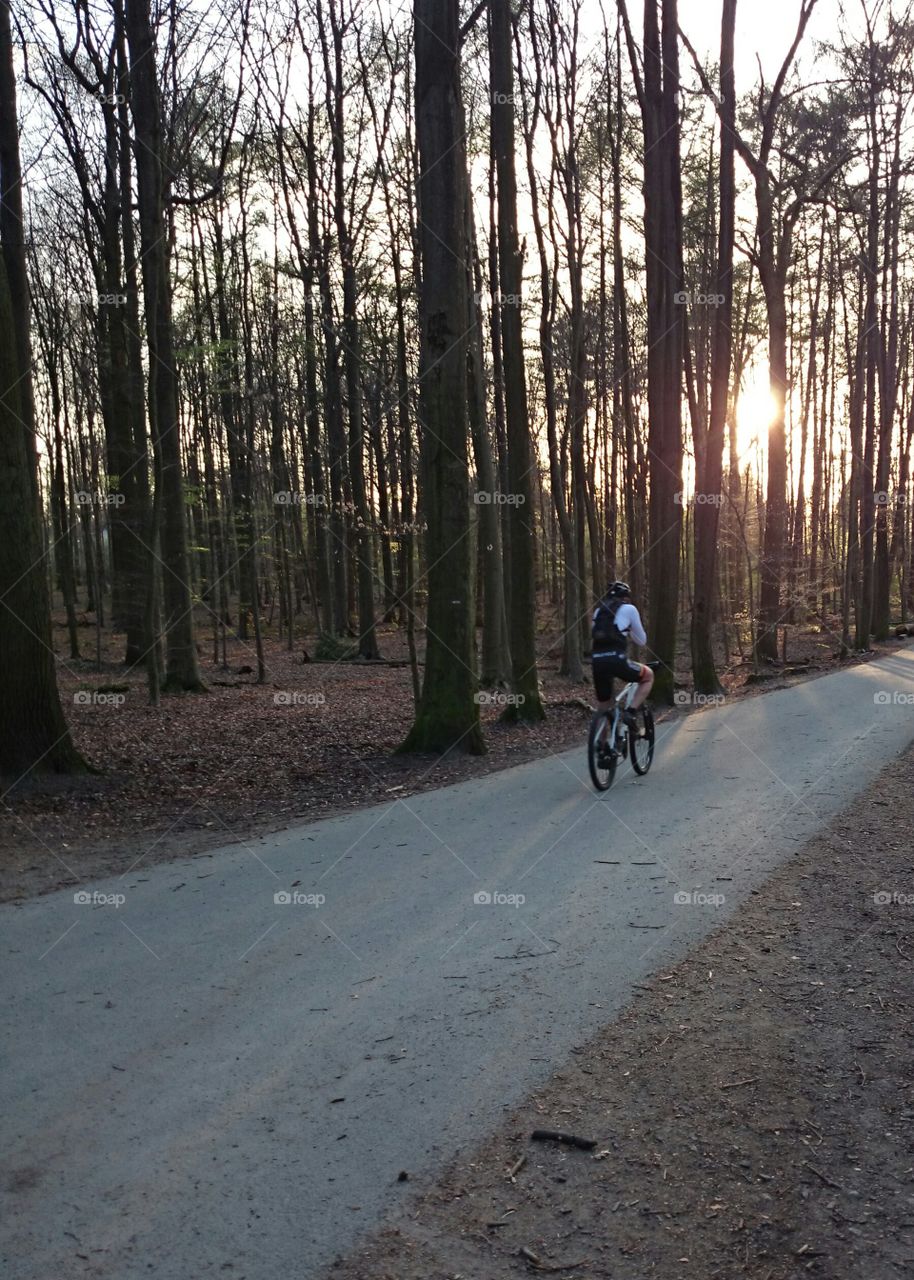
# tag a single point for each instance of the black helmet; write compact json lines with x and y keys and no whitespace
{"x":618,"y":589}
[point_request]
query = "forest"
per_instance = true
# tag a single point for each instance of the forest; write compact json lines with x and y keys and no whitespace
{"x":374,"y":334}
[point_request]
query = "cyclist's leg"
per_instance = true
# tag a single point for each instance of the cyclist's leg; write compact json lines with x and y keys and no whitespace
{"x":645,"y":684}
{"x":603,"y":688}
{"x":603,"y":683}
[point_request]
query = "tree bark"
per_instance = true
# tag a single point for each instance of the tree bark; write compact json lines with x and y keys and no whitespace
{"x":33,"y":731}
{"x":659,"y":99}
{"x":709,"y":474}
{"x":522,"y":617}
{"x":182,"y":671}
{"x":447,"y":715}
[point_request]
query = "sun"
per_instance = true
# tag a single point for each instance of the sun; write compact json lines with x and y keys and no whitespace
{"x":755,"y":409}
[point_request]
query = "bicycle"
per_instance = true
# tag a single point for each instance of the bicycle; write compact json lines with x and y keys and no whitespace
{"x":610,"y":739}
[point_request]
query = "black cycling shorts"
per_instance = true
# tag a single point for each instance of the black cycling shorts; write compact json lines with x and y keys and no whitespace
{"x":610,"y":666}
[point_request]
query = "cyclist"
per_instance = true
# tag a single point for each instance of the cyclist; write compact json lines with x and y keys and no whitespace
{"x":615,"y":622}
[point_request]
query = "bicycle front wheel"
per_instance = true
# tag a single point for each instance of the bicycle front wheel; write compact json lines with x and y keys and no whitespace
{"x":601,"y":759}
{"x":642,"y":747}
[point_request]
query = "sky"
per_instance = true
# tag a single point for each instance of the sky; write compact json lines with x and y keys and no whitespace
{"x":764,"y":30}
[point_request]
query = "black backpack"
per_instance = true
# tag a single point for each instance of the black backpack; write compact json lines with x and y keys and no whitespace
{"x":605,"y":634}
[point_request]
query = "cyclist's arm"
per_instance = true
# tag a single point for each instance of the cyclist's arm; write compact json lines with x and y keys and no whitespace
{"x":636,"y":630}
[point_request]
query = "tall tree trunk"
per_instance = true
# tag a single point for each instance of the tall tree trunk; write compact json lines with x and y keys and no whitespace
{"x":364,"y":544}
{"x":496,"y":658}
{"x":33,"y":732}
{"x":659,"y":99}
{"x":182,"y":672}
{"x":447,"y":715}
{"x":125,"y":455}
{"x":521,"y":516}
{"x":140,"y":517}
{"x":709,"y":474}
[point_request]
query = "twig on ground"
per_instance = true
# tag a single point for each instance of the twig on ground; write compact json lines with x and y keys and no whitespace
{"x":537,"y":1262}
{"x":824,"y":1177}
{"x":569,"y":1139}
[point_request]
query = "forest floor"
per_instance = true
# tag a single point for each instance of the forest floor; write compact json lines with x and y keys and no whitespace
{"x":316,"y":739}
{"x":751,"y":1109}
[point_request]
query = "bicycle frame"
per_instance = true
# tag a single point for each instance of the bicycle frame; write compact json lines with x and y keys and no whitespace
{"x":611,"y":739}
{"x":621,"y":702}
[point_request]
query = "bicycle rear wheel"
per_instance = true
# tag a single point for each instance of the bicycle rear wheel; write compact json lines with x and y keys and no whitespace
{"x":642,"y":748}
{"x":601,"y":760}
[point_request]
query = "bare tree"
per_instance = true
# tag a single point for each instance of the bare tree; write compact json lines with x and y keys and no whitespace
{"x":447,"y":715}
{"x":658,"y":96}
{"x":709,"y":459}
{"x":33,"y":732}
{"x":520,"y":462}
{"x":182,"y":672}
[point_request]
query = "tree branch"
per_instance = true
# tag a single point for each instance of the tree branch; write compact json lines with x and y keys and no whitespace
{"x":752,"y":162}
{"x":473,"y":19}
